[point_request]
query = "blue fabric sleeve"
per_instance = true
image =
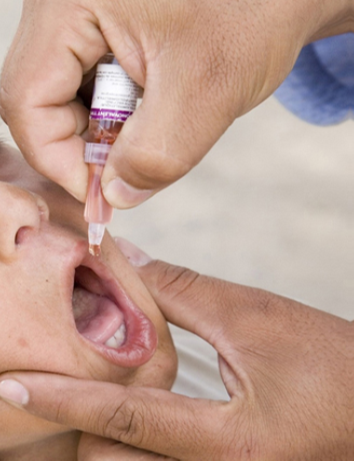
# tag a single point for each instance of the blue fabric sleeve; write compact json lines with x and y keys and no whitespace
{"x":320,"y":88}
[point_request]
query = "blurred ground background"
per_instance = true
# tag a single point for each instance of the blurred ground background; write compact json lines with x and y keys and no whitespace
{"x":271,"y":206}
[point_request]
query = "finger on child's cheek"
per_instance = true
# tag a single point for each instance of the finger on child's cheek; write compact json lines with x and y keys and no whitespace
{"x":133,"y":254}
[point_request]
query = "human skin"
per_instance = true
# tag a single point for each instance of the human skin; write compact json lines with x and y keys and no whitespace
{"x":202,"y":63}
{"x":43,"y":238}
{"x":287,"y":367}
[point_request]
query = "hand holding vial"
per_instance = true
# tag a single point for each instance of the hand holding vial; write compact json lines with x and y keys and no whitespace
{"x":114,"y":99}
{"x":202,"y":63}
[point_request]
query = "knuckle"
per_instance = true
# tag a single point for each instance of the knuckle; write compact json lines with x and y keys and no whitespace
{"x":110,"y":421}
{"x":176,"y":280}
{"x":17,"y":119}
{"x":134,"y":432}
{"x":266,"y":303}
{"x":122,"y":423}
{"x":260,"y":302}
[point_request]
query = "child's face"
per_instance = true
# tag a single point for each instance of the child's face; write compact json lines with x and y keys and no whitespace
{"x":45,"y":271}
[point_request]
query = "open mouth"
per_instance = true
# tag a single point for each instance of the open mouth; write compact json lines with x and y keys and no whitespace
{"x":97,"y":317}
{"x":108,"y":319}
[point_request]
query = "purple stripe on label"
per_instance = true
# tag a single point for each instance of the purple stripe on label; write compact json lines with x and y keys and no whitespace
{"x":109,"y":114}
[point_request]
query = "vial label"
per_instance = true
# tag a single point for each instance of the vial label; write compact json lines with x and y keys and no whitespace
{"x":115,"y":94}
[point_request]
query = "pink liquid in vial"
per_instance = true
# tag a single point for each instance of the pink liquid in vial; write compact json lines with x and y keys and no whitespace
{"x":97,"y":209}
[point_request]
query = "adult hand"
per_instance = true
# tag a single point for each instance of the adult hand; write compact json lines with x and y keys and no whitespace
{"x":202,"y":64}
{"x":287,"y":368}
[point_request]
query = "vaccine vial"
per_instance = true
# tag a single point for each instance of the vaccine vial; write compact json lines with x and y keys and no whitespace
{"x":114,"y":100}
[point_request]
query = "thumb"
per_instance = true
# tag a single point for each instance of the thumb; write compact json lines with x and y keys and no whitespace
{"x":152,"y":152}
{"x":176,"y":124}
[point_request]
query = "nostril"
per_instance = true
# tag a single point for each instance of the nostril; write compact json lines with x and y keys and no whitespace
{"x":22,"y":234}
{"x":38,"y":209}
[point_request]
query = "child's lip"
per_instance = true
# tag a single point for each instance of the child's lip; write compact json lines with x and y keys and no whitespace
{"x":141,"y":337}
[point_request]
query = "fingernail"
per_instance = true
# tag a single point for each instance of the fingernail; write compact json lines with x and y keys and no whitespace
{"x":122,"y":195}
{"x":133,"y":254}
{"x":13,"y":391}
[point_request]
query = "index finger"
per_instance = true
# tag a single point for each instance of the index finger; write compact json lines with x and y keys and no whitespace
{"x":147,"y":418}
{"x":54,"y":47}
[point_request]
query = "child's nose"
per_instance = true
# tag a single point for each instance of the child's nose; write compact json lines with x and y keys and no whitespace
{"x":21,"y":214}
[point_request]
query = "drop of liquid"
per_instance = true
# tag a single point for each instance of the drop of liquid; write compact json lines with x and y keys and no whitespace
{"x":95,"y":250}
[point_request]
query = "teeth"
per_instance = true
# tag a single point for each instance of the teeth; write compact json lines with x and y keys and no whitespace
{"x":118,"y":338}
{"x":112,"y":343}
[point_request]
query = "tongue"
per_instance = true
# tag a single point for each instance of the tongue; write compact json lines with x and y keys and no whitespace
{"x":100,"y":319}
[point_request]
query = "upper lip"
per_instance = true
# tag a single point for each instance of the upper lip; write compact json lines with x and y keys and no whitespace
{"x":141,"y":337}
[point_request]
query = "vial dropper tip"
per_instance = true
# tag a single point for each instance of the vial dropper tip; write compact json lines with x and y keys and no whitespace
{"x":95,"y":236}
{"x":95,"y":250}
